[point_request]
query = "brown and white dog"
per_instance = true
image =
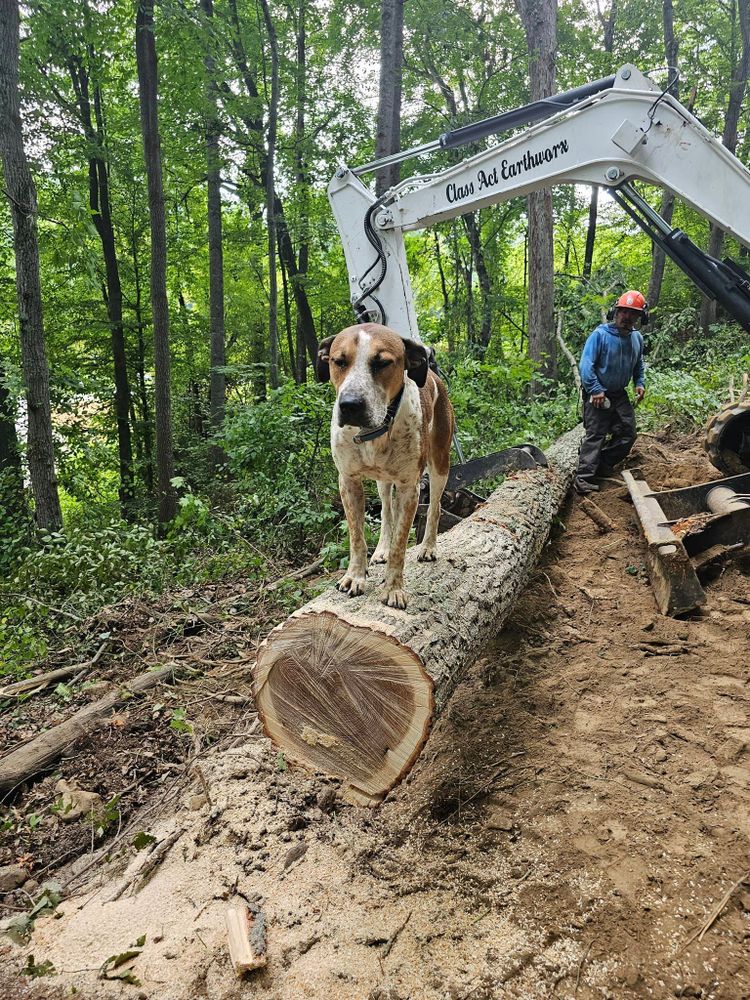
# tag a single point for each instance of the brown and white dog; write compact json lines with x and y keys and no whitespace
{"x":392,"y":418}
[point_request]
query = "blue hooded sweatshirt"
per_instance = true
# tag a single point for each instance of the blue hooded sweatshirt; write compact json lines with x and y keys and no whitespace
{"x":609,"y":360}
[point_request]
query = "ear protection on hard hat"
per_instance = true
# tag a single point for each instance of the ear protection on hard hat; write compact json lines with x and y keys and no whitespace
{"x":630,"y":300}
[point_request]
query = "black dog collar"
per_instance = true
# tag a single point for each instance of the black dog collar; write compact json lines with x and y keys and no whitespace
{"x":390,"y":415}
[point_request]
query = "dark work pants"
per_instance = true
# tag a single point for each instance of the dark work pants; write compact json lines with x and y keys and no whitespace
{"x":610,"y":434}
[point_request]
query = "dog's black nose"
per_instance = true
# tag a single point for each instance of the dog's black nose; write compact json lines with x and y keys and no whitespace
{"x":352,"y":410}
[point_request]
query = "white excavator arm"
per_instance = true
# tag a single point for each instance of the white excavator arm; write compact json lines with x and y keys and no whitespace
{"x":627,"y":129}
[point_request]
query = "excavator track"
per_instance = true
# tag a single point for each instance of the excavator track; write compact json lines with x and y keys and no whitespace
{"x":727,"y":439}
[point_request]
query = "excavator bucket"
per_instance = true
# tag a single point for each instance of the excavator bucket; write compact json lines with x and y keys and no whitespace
{"x":458,"y":501}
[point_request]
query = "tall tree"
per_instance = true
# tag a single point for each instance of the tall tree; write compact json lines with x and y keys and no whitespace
{"x":303,"y":181}
{"x":215,"y":250}
{"x":145,"y":53}
{"x":101,"y":216}
{"x":21,"y":194}
{"x":666,"y":209}
{"x":388,"y":137}
{"x":256,"y":139}
{"x":12,"y":500}
{"x":737,"y":89}
{"x":273,"y":295}
{"x":607,"y":21}
{"x":539,"y":21}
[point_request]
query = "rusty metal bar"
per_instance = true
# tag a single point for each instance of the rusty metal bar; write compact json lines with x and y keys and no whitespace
{"x":673,"y":578}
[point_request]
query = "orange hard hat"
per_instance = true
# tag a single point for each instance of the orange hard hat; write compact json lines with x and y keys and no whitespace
{"x":631,"y":300}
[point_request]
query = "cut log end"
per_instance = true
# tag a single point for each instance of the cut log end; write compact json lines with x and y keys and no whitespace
{"x":347,"y":700}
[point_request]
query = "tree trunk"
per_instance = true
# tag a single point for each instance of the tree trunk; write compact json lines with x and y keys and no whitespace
{"x":21,"y":194}
{"x":273,"y":317}
{"x":588,"y":256}
{"x":303,"y":189}
{"x":351,"y":687}
{"x":539,"y":21}
{"x":145,"y":51}
{"x":297,"y":271}
{"x":658,"y":258}
{"x":147,"y":436}
{"x":101,"y":216}
{"x":12,"y":499}
{"x":471,"y":222}
{"x":388,"y":137}
{"x":218,"y":390}
{"x":607,"y":22}
{"x":729,"y":137}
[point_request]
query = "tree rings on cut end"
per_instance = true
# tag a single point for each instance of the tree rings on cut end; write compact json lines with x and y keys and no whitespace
{"x":343,"y":699}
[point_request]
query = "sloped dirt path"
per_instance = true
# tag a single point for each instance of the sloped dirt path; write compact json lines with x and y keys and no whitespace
{"x":579,"y":813}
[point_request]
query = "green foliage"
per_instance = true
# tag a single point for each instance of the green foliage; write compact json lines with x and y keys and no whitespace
{"x":179,"y":721}
{"x":493,"y":410}
{"x":279,"y":452}
{"x":34,"y":970}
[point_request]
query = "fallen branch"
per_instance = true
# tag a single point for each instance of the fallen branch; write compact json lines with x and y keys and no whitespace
{"x":582,"y":963}
{"x":298,"y":574}
{"x":568,"y":353}
{"x":45,"y":749}
{"x":393,"y":938}
{"x":715,"y":913}
{"x":597,"y":515}
{"x":141,"y":878}
{"x":40,"y":681}
{"x":643,"y":779}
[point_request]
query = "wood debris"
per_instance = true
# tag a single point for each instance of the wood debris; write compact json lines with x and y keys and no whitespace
{"x":246,"y":932}
{"x":604,"y":523}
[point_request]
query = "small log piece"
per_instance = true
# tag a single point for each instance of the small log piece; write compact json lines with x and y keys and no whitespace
{"x":247,"y":937}
{"x":597,"y":515}
{"x":350,"y":687}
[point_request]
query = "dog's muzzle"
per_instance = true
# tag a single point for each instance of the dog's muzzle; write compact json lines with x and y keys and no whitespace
{"x":353,"y":412}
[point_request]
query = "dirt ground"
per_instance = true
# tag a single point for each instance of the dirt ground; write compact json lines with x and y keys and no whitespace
{"x":578,"y":817}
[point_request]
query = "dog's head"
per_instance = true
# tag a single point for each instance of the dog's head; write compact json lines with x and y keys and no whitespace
{"x":367,"y":364}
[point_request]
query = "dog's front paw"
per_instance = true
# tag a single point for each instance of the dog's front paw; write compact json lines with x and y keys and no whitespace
{"x":427,"y":553}
{"x":396,"y":599}
{"x":379,"y":556}
{"x":351,"y":585}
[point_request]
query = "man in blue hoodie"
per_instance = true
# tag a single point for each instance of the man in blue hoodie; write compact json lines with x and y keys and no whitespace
{"x":612,"y":356}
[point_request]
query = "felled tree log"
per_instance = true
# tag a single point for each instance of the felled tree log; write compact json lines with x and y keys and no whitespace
{"x":351,"y":687}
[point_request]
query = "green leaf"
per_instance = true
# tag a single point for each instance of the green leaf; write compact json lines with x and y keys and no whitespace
{"x":34,"y":970}
{"x":142,"y":840}
{"x":19,"y":928}
{"x":48,"y":899}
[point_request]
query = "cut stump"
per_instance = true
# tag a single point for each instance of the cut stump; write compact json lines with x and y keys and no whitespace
{"x":350,"y":687}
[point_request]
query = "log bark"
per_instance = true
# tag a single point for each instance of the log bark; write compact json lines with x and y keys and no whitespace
{"x":44,"y":750}
{"x":351,"y":687}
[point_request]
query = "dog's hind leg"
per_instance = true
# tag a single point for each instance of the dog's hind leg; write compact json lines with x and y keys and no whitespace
{"x":353,"y":498}
{"x":427,"y":551}
{"x":380,"y":555}
{"x":404,"y":508}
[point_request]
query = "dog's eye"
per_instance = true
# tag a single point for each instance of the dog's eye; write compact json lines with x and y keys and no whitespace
{"x":379,"y":363}
{"x":339,"y":362}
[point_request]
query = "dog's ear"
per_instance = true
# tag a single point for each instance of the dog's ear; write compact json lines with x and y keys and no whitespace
{"x":417,"y":361}
{"x":322,"y":371}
